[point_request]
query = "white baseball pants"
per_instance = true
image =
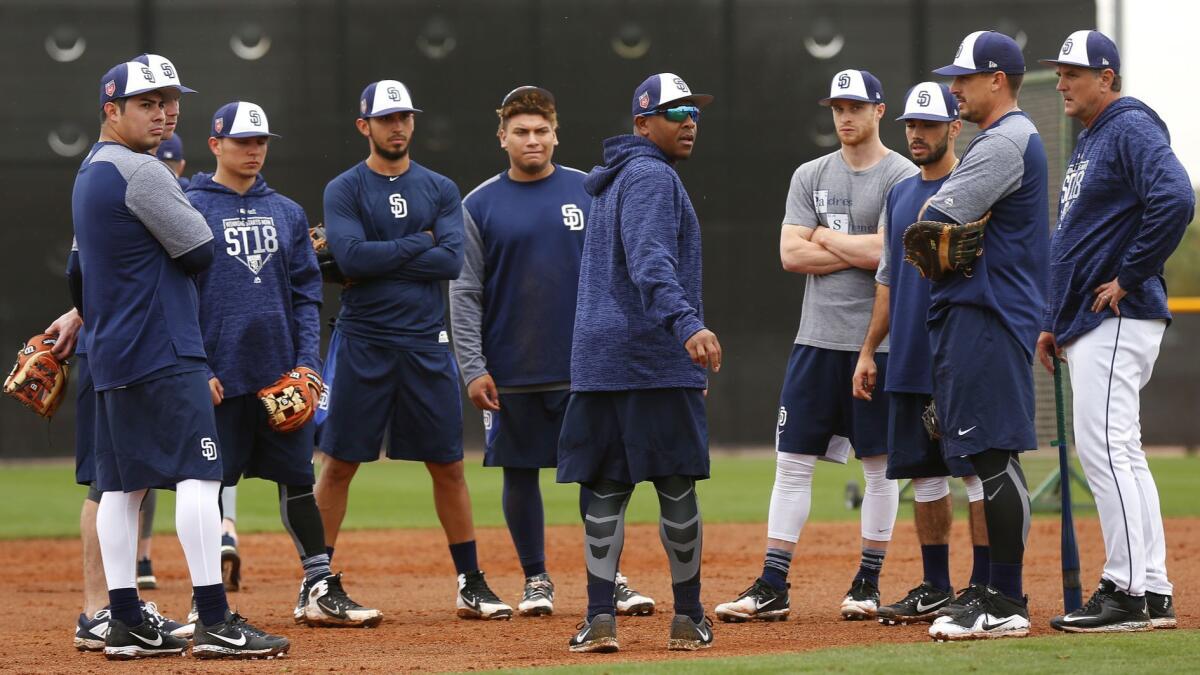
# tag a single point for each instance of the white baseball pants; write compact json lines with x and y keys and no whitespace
{"x":1109,"y":366}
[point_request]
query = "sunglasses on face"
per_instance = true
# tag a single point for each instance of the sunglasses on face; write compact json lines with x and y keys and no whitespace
{"x":677,"y":114}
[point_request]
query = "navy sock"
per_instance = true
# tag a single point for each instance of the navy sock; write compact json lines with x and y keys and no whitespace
{"x":601,"y":599}
{"x":871,"y":564}
{"x":316,"y":567}
{"x":936,"y":560}
{"x":522,"y":503}
{"x":687,"y":600}
{"x":329,"y":552}
{"x":464,"y":557}
{"x":210,"y":603}
{"x":123,"y":605}
{"x":775,"y":568}
{"x":981,"y":572}
{"x":1006,"y":578}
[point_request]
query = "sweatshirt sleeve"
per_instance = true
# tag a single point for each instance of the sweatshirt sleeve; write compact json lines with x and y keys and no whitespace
{"x":445,"y":259}
{"x":305,"y":276}
{"x":356,"y":256}
{"x":1163,"y":186}
{"x":466,"y":304}
{"x":650,"y":235}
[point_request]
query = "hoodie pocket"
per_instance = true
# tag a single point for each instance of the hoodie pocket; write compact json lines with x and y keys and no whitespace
{"x":254,"y":346}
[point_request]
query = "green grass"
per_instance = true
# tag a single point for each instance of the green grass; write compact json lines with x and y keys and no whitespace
{"x":43,"y":501}
{"x":1159,"y":652}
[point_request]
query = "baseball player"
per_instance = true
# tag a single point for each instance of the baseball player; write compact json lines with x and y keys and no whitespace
{"x":260,"y":314}
{"x":983,"y":318}
{"x":512,"y":309}
{"x":931,"y":125}
{"x":92,"y":624}
{"x":830,"y":234}
{"x":395,"y":229}
{"x":1126,"y":202}
{"x":170,"y":152}
{"x":139,"y":241}
{"x":638,"y":358}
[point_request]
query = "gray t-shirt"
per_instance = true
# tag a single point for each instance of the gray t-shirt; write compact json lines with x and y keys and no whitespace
{"x":827,"y":193}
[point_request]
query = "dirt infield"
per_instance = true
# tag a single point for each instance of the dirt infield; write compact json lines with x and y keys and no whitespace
{"x":405,"y":573}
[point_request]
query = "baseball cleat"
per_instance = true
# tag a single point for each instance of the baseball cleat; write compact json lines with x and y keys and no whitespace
{"x":1162,"y":610}
{"x":760,"y":601}
{"x":231,"y":564}
{"x":992,"y":616}
{"x":301,"y":602}
{"x":143,"y":640}
{"x":598,"y":635}
{"x":1108,"y":611}
{"x":628,"y":601}
{"x":477,"y":601}
{"x":233,"y":638}
{"x":965,"y":598}
{"x":90,"y":633}
{"x":538,"y":599}
{"x":688,"y":636}
{"x":167,"y":625}
{"x":861,"y":601}
{"x":328,"y":605}
{"x":145,"y":575}
{"x":921,"y":604}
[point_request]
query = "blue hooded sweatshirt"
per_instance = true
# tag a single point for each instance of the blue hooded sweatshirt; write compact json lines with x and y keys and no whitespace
{"x":260,"y":301}
{"x":1126,"y":202}
{"x":639,"y":282}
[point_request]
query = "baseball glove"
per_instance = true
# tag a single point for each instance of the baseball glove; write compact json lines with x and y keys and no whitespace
{"x":38,"y":380}
{"x":930,"y":420}
{"x":330,"y":272}
{"x":291,"y":401}
{"x":937,"y":249}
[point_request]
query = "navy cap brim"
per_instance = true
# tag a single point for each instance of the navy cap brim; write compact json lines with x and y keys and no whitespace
{"x":925,"y":116}
{"x":1057,"y":62}
{"x":186,"y":90}
{"x":389,"y":111}
{"x":954,"y":71}
{"x":248,"y":134}
{"x":863,"y":99}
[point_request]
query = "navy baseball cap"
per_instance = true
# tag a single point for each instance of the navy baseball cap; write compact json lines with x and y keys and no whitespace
{"x":132,"y":78}
{"x":163,"y":69}
{"x":526,"y":90}
{"x":384,"y":98}
{"x":664,"y":90}
{"x":240,"y":119}
{"x":985,"y":51}
{"x":930,"y":101}
{"x":172,"y":148}
{"x":854,"y":85}
{"x":1087,"y":49}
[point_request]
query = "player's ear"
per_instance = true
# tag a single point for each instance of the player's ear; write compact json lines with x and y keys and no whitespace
{"x":214,"y":145}
{"x":364,"y":127}
{"x":879,"y":108}
{"x":955,"y":129}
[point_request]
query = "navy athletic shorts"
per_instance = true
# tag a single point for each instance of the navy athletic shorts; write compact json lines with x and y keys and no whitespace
{"x":411,"y":397}
{"x":157,"y":433}
{"x":250,"y":448}
{"x":817,"y":404}
{"x":524,"y":433}
{"x":982,"y":382}
{"x":632,"y":436}
{"x":911,"y":452}
{"x":85,"y":422}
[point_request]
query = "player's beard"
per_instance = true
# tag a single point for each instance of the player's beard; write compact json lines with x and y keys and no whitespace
{"x":390,"y":155}
{"x":936,"y":152}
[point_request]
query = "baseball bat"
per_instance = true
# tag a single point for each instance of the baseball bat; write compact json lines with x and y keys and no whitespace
{"x":1072,"y":592}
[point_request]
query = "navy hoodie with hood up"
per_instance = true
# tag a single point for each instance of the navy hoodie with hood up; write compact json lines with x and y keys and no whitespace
{"x":260,"y":301}
{"x":1126,"y":202}
{"x":639,"y":281}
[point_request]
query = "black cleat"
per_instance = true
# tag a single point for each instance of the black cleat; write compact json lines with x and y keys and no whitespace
{"x":630,"y":602}
{"x":861,"y":601}
{"x":143,"y":640}
{"x":233,"y":638}
{"x":477,"y":601}
{"x":965,"y":598}
{"x":145,"y":575}
{"x":1108,"y":611}
{"x":921,"y":604}
{"x":1162,"y":610}
{"x":688,"y":636}
{"x":328,"y":605}
{"x":760,"y":601}
{"x":993,"y":615}
{"x":598,"y":635}
{"x":231,"y":564}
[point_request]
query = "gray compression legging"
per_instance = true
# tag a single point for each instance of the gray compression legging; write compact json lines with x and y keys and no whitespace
{"x":680,"y":527}
{"x":149,"y":504}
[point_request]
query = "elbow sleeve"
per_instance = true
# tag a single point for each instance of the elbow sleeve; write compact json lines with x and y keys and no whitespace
{"x":75,"y":280}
